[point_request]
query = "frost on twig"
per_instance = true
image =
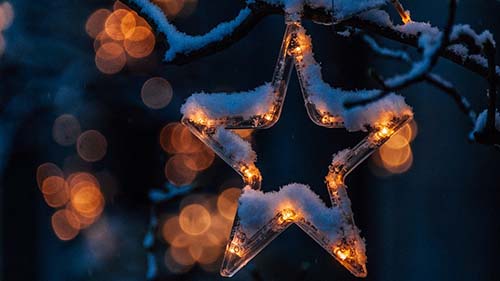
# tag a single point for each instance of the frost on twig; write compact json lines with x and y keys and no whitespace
{"x":431,"y":78}
{"x":432,"y":42}
{"x":481,"y":134}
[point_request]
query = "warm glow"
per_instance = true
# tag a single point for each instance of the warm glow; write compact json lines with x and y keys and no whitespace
{"x":177,"y":172}
{"x":166,"y":135}
{"x":243,"y":133}
{"x":182,"y":256}
{"x":268,"y":116}
{"x":201,"y":160}
{"x":118,"y":22}
{"x":287,"y":215}
{"x":170,"y":229}
{"x":139,"y":42}
{"x":200,"y":231}
{"x":47,"y":170}
{"x":170,"y":7}
{"x":194,"y":219}
{"x":183,"y":141}
{"x":342,"y":253}
{"x":235,"y":249}
{"x":397,"y":142}
{"x":172,"y":264}
{"x":95,"y":22}
{"x":87,"y":200}
{"x":382,"y":134}
{"x":405,"y":15}
{"x":80,"y":177}
{"x":110,"y":58}
{"x":328,"y":119}
{"x":250,"y":173}
{"x":62,"y":224}
{"x":395,"y":156}
{"x":55,"y":191}
{"x":227,"y":202}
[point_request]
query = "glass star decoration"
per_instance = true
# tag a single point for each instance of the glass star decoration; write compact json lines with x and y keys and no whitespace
{"x":262,"y":216}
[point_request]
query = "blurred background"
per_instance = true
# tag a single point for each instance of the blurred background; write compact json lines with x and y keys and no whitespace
{"x":100,"y":182}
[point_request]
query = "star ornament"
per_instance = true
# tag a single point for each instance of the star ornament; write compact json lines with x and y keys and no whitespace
{"x":262,"y":216}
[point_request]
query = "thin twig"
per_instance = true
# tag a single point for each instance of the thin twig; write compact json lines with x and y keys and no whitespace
{"x":431,"y":78}
{"x":429,"y":61}
{"x":462,"y":102}
{"x":260,"y":10}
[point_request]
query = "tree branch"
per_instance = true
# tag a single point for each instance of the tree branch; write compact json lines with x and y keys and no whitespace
{"x":260,"y":10}
{"x":420,"y":69}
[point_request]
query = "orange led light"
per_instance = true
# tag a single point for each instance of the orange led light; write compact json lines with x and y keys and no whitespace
{"x":287,"y":215}
{"x":343,"y":254}
{"x":235,"y":249}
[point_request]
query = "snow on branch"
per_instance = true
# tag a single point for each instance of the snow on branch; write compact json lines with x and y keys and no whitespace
{"x":374,"y":21}
{"x":432,"y":42}
{"x":180,"y":43}
{"x":431,"y":78}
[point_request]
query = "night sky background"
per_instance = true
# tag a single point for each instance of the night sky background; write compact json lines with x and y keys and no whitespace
{"x":438,"y":221}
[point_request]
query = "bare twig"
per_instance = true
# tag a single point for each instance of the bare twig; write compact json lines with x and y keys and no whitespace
{"x":446,"y":87}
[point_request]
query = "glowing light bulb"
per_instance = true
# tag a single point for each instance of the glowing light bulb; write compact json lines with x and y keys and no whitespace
{"x":235,"y":249}
{"x":329,"y":119}
{"x":383,"y":133}
{"x":287,"y":215}
{"x":343,"y":254}
{"x":405,"y":15}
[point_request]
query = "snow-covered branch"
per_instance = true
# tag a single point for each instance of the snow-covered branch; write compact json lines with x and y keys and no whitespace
{"x":431,"y":78}
{"x":431,"y":42}
{"x":463,"y":49}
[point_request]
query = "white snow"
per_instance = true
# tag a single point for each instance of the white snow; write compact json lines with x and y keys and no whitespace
{"x":376,"y":113}
{"x":340,"y":157}
{"x":180,"y":42}
{"x":220,"y":105}
{"x":378,"y":17}
{"x":331,"y":100}
{"x":479,"y":39}
{"x":341,"y":8}
{"x":416,"y":28}
{"x":459,"y":50}
{"x":430,"y":45}
{"x":256,"y":208}
{"x":396,"y":54}
{"x":481,"y":122}
{"x":235,"y":147}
